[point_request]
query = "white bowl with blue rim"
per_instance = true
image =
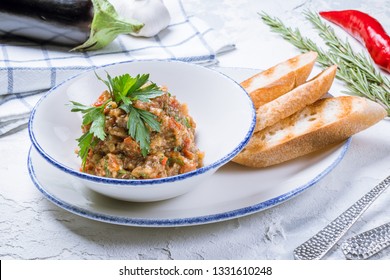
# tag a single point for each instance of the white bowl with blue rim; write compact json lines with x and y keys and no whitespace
{"x":221,"y":108}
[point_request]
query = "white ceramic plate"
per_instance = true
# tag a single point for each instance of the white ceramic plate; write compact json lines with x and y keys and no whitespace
{"x":233,"y":191}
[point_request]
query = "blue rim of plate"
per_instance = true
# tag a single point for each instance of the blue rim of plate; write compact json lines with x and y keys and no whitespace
{"x":146,"y":182}
{"x":190,"y":221}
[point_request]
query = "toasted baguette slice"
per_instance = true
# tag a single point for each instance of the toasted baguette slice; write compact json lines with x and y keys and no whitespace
{"x":279,"y":79}
{"x":327,"y":121}
{"x":295,"y":100}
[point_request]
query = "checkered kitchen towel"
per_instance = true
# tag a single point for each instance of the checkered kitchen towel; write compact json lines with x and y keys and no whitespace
{"x":27,"y":70}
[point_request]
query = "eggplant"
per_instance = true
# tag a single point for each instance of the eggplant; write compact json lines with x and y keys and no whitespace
{"x":81,"y":24}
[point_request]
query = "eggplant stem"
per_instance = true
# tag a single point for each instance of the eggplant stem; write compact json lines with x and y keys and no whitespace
{"x":106,"y":26}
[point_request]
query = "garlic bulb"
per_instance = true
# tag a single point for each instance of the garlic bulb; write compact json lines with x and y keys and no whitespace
{"x":152,"y":13}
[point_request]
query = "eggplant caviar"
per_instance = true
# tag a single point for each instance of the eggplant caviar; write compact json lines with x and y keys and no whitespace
{"x":81,"y":24}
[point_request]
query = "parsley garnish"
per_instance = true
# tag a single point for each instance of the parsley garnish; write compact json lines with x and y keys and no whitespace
{"x":95,"y":117}
{"x":124,"y":90}
{"x":137,"y":128}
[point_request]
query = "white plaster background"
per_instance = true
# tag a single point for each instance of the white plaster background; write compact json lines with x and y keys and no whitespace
{"x":33,"y":228}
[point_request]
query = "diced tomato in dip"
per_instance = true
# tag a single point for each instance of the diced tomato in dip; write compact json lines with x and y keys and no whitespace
{"x":172,"y":149}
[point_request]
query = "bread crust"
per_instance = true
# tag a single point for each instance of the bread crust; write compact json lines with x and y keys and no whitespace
{"x":327,"y":121}
{"x":279,"y":79}
{"x":296,"y":99}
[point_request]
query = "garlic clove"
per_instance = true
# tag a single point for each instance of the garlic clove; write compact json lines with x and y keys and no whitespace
{"x":153,"y":13}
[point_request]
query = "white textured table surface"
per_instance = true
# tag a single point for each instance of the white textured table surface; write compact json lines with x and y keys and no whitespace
{"x":33,"y":228}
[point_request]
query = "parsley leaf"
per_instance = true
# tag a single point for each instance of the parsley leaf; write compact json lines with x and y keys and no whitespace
{"x":90,"y":115}
{"x":138,"y":130}
{"x":95,"y":117}
{"x":139,"y":125}
{"x":146,"y":93}
{"x":98,"y":124}
{"x":124,"y":90}
{"x":127,"y":89}
{"x":85,"y":142}
{"x":150,"y":119}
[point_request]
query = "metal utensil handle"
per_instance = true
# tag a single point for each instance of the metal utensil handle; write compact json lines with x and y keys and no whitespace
{"x":317,"y":246}
{"x":367,"y":244}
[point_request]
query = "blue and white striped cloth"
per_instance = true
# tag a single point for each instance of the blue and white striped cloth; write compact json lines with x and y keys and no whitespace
{"x":27,"y":69}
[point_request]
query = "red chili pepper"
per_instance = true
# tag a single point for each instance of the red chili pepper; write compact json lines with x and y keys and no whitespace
{"x":365,"y":29}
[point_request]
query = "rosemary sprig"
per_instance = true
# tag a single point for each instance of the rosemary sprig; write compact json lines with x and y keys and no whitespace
{"x":355,"y":69}
{"x":357,"y":66}
{"x":295,"y":37}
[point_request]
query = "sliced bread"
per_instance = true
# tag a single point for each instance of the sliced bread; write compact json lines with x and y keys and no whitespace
{"x":325,"y":122}
{"x":295,"y":100}
{"x":279,"y":79}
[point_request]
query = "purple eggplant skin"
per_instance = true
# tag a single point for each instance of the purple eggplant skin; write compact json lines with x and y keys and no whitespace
{"x":60,"y":22}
